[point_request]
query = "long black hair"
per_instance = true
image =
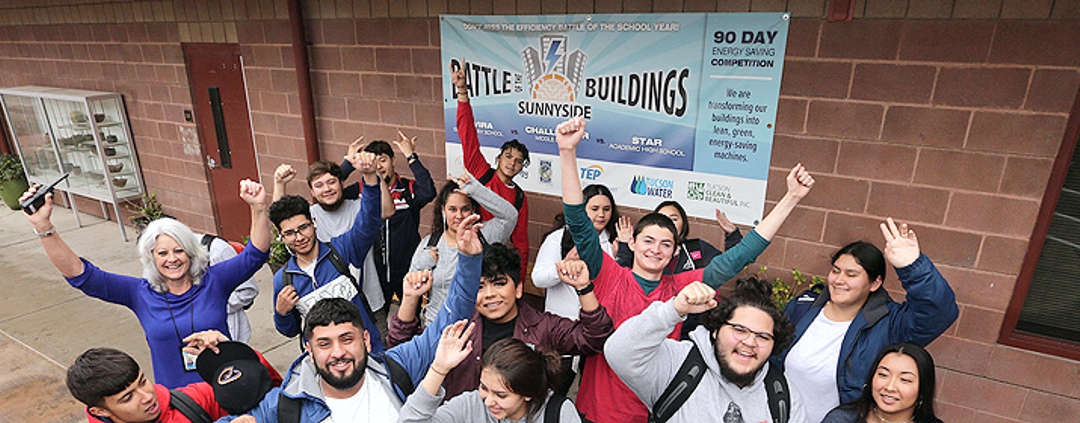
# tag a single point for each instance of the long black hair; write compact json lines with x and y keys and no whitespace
{"x":685,"y":230}
{"x":924,"y":404}
{"x":590,"y":192}
{"x":438,"y":223}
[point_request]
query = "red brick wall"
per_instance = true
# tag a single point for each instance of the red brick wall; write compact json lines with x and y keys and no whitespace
{"x":145,"y":63}
{"x":950,"y":125}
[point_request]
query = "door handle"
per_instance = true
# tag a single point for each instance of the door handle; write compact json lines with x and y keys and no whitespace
{"x":210,"y":162}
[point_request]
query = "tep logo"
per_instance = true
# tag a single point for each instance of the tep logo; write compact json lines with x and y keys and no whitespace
{"x":553,"y":75}
{"x":592,"y":173}
{"x":652,"y":187}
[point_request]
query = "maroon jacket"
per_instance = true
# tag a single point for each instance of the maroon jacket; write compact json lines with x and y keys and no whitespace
{"x":545,"y":330}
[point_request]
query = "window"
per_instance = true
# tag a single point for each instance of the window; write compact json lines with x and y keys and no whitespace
{"x":1044,"y":313}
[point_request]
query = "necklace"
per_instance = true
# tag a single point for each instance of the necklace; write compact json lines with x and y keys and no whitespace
{"x":878,"y":414}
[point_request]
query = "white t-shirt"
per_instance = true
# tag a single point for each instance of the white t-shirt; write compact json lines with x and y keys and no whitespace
{"x":810,"y":367}
{"x":370,"y":404}
{"x":331,"y":224}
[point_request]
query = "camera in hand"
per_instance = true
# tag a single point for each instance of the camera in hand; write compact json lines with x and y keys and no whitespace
{"x":32,"y":204}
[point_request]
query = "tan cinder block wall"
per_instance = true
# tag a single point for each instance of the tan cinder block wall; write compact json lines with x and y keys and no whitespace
{"x":943,"y":114}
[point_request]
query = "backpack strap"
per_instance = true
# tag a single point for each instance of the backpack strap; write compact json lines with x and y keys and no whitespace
{"x":554,"y":406}
{"x":343,"y":268}
{"x":680,"y":388}
{"x":288,"y":409}
{"x":400,"y":377}
{"x":694,"y":246}
{"x":779,"y":398}
{"x":519,"y":194}
{"x":207,"y":239}
{"x":188,"y":407}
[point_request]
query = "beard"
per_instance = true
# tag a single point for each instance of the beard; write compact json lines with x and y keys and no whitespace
{"x":347,"y":380}
{"x":731,"y":375}
{"x":335,"y":205}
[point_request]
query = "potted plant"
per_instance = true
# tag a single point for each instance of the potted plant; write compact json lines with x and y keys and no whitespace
{"x":12,"y":180}
{"x":148,"y":210}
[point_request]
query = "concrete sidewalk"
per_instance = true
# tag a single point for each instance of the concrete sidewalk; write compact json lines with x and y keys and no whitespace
{"x":45,"y":323}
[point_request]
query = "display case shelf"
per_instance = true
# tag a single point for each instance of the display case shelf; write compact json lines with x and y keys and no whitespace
{"x":82,"y":133}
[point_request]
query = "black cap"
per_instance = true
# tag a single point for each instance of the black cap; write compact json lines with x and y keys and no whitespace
{"x":238,"y":377}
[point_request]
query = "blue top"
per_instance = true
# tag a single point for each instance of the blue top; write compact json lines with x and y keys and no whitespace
{"x":353,"y":246}
{"x":930,"y":308}
{"x":167,"y":318}
{"x":414,"y":357}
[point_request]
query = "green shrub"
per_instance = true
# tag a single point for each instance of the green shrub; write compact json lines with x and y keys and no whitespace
{"x":10,"y":167}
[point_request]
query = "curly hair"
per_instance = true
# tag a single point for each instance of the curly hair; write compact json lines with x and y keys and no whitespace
{"x":756,"y":293}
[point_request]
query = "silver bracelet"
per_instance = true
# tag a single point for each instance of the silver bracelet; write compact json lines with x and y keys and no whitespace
{"x":47,"y":233}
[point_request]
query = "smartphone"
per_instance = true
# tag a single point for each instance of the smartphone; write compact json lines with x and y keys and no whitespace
{"x":32,"y":204}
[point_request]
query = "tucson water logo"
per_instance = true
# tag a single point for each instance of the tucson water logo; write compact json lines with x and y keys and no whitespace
{"x":652,"y":187}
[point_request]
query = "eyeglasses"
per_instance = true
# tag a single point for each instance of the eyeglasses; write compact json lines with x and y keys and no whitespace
{"x":291,"y":233}
{"x":743,"y":333}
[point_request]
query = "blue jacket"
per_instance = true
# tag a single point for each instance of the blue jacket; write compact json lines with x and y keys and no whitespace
{"x":929,"y":310}
{"x":353,"y":246}
{"x":415,"y":356}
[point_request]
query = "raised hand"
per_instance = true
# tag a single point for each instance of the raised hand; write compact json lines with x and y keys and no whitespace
{"x":406,"y":144}
{"x":454,"y":347}
{"x":253,"y":193}
{"x":363,"y":161}
{"x":573,"y":272}
{"x":695,"y":298}
{"x":468,"y":235}
{"x":40,"y":219}
{"x":284,"y":174}
{"x":461,"y":181}
{"x":624,"y":229}
{"x":901,"y":246}
{"x":799,"y":181}
{"x":568,"y":134}
{"x":724,"y":222}
{"x":355,"y":147}
{"x":199,"y":341}
{"x":416,"y":284}
{"x":458,"y":77}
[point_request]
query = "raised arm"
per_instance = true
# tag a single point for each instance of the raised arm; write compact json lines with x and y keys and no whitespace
{"x":355,"y":244}
{"x":416,"y":355}
{"x":503,"y":214}
{"x":930,"y":306}
{"x":639,"y":351}
{"x":423,"y":186}
{"x":568,"y":134}
{"x":725,"y":266}
{"x":60,"y":254}
{"x":282,"y":176}
{"x":253,"y":193}
{"x":475,"y":163}
{"x":404,"y":325}
{"x":350,"y":191}
{"x":799,"y":183}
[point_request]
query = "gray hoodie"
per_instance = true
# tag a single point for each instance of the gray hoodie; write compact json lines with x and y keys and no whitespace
{"x":422,"y":407}
{"x":647,"y":360}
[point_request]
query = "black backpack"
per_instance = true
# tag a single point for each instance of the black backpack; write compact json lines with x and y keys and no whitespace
{"x":288,"y":408}
{"x":519,"y":195}
{"x":554,"y":410}
{"x":690,"y":374}
{"x":188,"y":407}
{"x":343,"y":268}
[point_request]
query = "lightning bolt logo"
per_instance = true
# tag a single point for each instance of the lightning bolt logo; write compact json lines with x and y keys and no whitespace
{"x":552,"y":55}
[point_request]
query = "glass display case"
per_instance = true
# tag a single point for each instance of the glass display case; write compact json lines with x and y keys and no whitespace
{"x":82,"y":133}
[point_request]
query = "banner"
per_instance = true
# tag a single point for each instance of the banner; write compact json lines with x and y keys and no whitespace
{"x":678,"y":106}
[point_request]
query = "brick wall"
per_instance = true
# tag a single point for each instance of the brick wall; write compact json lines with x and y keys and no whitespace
{"x":943,"y":114}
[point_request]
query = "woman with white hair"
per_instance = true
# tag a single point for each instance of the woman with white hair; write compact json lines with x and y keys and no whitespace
{"x":179,"y":294}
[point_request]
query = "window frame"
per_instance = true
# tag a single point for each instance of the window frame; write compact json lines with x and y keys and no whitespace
{"x":1009,"y":335}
